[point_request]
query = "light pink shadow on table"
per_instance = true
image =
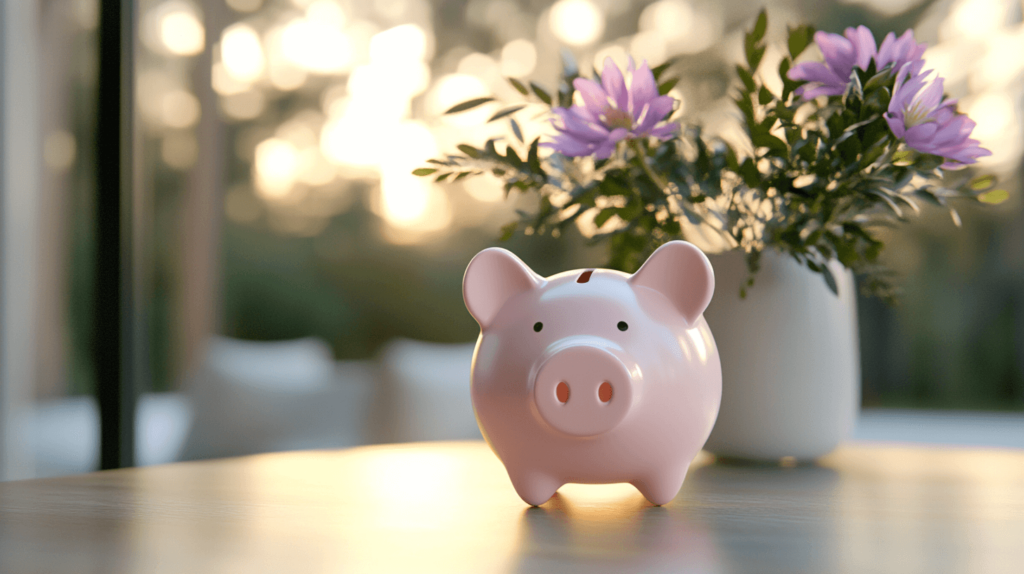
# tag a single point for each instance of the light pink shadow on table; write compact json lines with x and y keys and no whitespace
{"x":594,"y":376}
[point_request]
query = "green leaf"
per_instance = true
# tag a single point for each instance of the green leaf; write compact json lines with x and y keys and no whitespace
{"x":603,"y":216}
{"x":505,"y":112}
{"x":508,"y":230}
{"x":516,"y":130}
{"x":928,"y":162}
{"x":518,"y":86}
{"x":666,"y":86}
{"x":541,"y":93}
{"x":745,"y":106}
{"x":754,"y":55}
{"x":982,"y":183}
{"x":658,"y":71}
{"x":877,"y":81}
{"x":888,"y":201}
{"x":871,"y":155}
{"x":761,"y":137}
{"x":830,"y":280}
{"x":799,"y":38}
{"x":469,"y":150}
{"x":760,"y":26}
{"x":928,"y":196}
{"x":533,"y":157}
{"x":749,"y":173}
{"x":764,"y":96}
{"x":442,"y":177}
{"x":903,"y":157}
{"x":513,"y":157}
{"x":747,"y":78}
{"x":468,"y":105}
{"x":461,"y":175}
{"x":994,"y":197}
{"x":423,"y":171}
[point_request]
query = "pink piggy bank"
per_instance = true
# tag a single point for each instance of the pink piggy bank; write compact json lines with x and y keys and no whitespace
{"x":594,"y":376}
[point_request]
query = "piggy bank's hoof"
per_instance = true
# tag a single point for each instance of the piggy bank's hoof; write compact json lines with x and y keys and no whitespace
{"x":660,"y":489}
{"x":535,"y":489}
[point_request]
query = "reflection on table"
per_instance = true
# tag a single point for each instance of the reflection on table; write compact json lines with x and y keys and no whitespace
{"x":449,"y":507}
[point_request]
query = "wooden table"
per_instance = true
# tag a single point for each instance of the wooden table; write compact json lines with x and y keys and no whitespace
{"x":449,"y":507}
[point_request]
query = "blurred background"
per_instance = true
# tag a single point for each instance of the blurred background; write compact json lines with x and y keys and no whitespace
{"x":302,"y":289}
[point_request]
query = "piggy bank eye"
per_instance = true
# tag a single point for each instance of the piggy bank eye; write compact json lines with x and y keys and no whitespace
{"x":623,"y":326}
{"x":538,"y":326}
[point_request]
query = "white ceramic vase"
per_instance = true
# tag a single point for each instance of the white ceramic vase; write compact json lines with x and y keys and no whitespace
{"x":790,"y":360}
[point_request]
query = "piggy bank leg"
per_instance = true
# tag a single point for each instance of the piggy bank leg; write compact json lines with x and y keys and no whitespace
{"x":534,"y":488}
{"x":661,"y":487}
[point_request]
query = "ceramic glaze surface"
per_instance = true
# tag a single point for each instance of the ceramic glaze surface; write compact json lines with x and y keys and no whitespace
{"x":593,"y":375}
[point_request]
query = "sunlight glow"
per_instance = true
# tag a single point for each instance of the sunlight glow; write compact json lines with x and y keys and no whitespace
{"x":452,"y":89}
{"x":684,"y":29}
{"x":697,"y":338}
{"x":241,"y":53}
{"x":276,"y":168}
{"x":485,"y":188}
{"x":180,"y":30}
{"x":518,"y":58}
{"x":577,"y":22}
{"x":974,"y":18}
{"x":399,"y":44}
{"x":318,"y":42}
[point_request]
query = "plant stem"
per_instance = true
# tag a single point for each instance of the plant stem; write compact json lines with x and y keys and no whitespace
{"x":641,"y":157}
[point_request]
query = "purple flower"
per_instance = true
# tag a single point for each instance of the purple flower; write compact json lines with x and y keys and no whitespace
{"x":929,"y":123}
{"x":898,"y":51}
{"x":856,"y":48}
{"x":612,"y":111}
{"x":829,"y":78}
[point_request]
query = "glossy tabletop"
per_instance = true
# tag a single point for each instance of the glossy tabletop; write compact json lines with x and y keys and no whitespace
{"x":449,"y":507}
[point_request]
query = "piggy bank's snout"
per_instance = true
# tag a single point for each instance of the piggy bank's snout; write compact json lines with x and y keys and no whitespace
{"x":583,"y":391}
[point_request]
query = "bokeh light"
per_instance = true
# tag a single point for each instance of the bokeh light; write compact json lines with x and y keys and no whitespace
{"x":518,"y":58}
{"x":241,"y":53}
{"x":180,"y":29}
{"x":577,"y":22}
{"x":318,"y":42}
{"x":685,"y":28}
{"x":276,"y":167}
{"x":974,"y":18}
{"x":179,"y":109}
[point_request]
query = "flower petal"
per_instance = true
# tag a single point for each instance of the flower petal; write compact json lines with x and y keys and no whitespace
{"x":837,"y":51}
{"x":642,"y":90}
{"x":863,"y":43}
{"x":665,"y":132}
{"x":896,"y":125}
{"x":579,"y":128}
{"x":570,"y":147}
{"x":614,"y":84}
{"x":814,"y":72}
{"x":656,"y":111}
{"x":594,"y":96}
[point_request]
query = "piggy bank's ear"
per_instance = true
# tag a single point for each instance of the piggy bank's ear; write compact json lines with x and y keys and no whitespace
{"x":493,"y":277}
{"x":681,"y":272}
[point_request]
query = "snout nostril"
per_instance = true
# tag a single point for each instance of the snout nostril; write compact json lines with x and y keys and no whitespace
{"x":604,"y":392}
{"x":562,"y":392}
